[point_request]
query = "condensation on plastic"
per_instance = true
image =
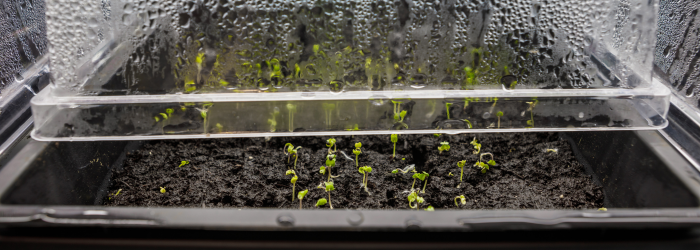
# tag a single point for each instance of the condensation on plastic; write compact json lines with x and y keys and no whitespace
{"x":176,"y":69}
{"x":678,"y":48}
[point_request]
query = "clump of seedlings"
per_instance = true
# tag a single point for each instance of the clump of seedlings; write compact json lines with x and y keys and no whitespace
{"x":485,"y":166}
{"x":462,"y":200}
{"x":328,"y":186}
{"x":357,"y":151}
{"x":444,"y":146}
{"x":330,"y":143}
{"x":301,"y":196}
{"x":293,"y":181}
{"x":394,"y":139}
{"x":291,"y":150}
{"x":182,"y":163}
{"x":413,"y":197}
{"x":365,"y":171}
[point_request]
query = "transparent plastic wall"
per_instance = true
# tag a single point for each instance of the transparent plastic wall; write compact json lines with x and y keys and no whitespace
{"x":177,"y":69}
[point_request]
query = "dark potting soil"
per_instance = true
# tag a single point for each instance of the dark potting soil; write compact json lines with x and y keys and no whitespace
{"x":250,"y":172}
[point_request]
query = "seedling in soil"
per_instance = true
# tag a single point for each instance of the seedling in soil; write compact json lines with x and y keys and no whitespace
{"x":291,"y":150}
{"x":447,"y":107}
{"x":462,"y":200}
{"x":292,"y":108}
{"x":330,"y":162}
{"x":430,"y":209}
{"x":413,"y":197}
{"x":115,"y":195}
{"x":461,"y":164}
{"x":364,"y":171}
{"x":553,"y":150}
{"x":407,"y":169}
{"x":444,"y":146}
{"x":499,"y":114}
{"x":469,"y":124}
{"x":422,"y":177}
{"x":293,"y":181}
{"x":162,"y":190}
{"x":301,"y":196}
{"x":357,"y":151}
{"x":437,"y":135}
{"x":394,"y":139}
{"x":182,"y":163}
{"x":328,"y":186}
{"x":330,"y":143}
{"x":321,"y":202}
{"x":477,"y":146}
{"x":485,"y":166}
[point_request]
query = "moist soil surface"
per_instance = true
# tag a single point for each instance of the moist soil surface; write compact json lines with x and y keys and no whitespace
{"x":250,"y":173}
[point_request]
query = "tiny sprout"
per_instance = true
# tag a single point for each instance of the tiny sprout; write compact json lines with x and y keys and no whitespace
{"x":328,"y":186}
{"x":422,"y":177}
{"x":482,"y":166}
{"x":219,"y":127}
{"x":477,"y":146}
{"x":394,"y":139}
{"x":293,"y":181}
{"x":291,"y":150}
{"x":322,"y":170}
{"x":485,"y":166}
{"x":330,"y":162}
{"x":430,"y":209}
{"x":413,"y":197}
{"x":331,"y":143}
{"x":444,"y":146}
{"x":357,"y":151}
{"x":461,"y":164}
{"x":365,"y":171}
{"x":462,"y":200}
{"x":402,"y":115}
{"x":301,"y":196}
{"x":182,"y":163}
{"x":437,"y":135}
{"x":403,"y":159}
{"x":450,"y":174}
{"x":499,"y":114}
{"x":321,"y":202}
{"x":602,"y":209}
{"x":162,"y":190}
{"x":169,"y":111}
{"x":553,"y":150}
{"x":395,"y":171}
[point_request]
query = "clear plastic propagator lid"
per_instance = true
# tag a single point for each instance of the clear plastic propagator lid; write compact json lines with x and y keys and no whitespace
{"x":188,"y":69}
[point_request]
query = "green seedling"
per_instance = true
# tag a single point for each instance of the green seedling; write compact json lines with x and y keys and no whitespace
{"x":328,"y":186}
{"x":485,"y":166}
{"x":499,"y":114}
{"x":552,"y":150}
{"x":162,"y":190}
{"x":413,"y":197}
{"x":430,"y":209}
{"x":394,"y":139}
{"x":422,"y":177}
{"x":301,"y":196}
{"x":462,"y":199}
{"x":531,"y":106}
{"x":447,"y":107}
{"x":330,"y":143}
{"x":364,"y":171}
{"x":477,"y":146}
{"x":292,"y":108}
{"x":321,"y":202}
{"x":293,"y":181}
{"x":461,"y":164}
{"x":437,"y":135}
{"x":322,"y":170}
{"x":219,"y":128}
{"x":330,"y":162}
{"x":468,"y":123}
{"x":450,"y":174}
{"x":204,"y":113}
{"x":444,"y":146}
{"x":182,"y":163}
{"x":357,"y":151}
{"x":273,"y":121}
{"x":291,"y":150}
